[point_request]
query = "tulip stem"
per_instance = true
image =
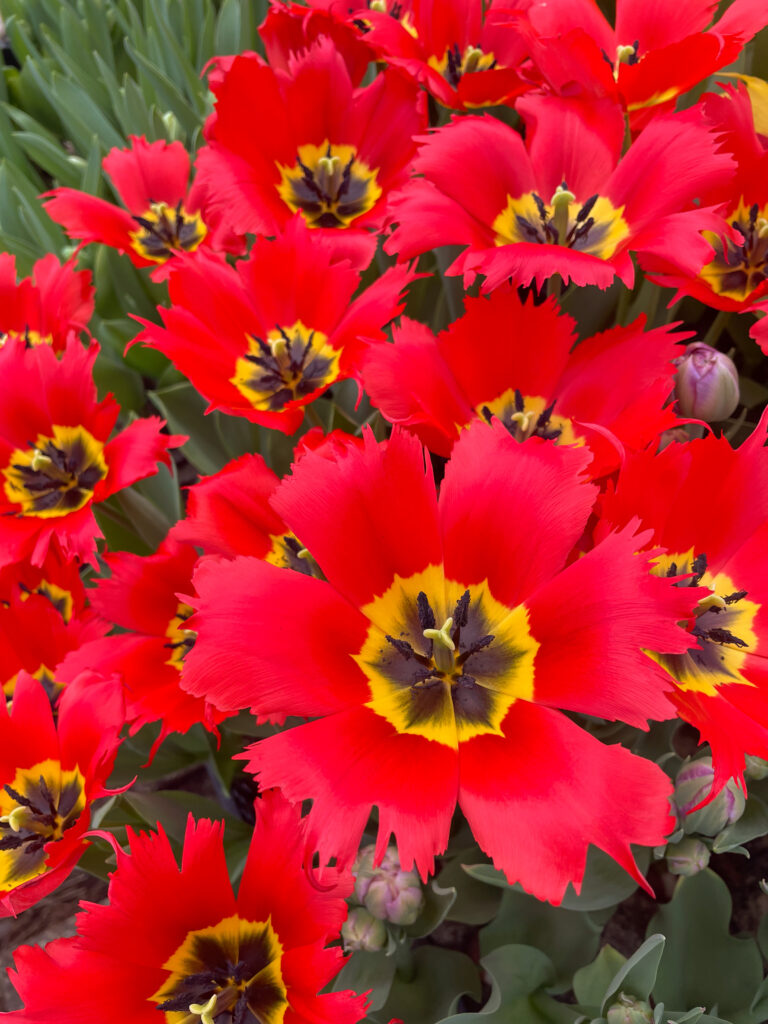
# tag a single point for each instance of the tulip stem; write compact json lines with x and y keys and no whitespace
{"x":314,"y":417}
{"x":453,"y":289}
{"x":622,"y":307}
{"x":405,"y":965}
{"x":716,"y":327}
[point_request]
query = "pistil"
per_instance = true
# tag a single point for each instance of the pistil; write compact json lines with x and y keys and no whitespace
{"x":442,"y":645}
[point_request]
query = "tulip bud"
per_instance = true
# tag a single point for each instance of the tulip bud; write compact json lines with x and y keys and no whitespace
{"x":388,"y":892}
{"x":688,"y":857}
{"x":363,"y":931}
{"x":694,"y":784}
{"x":706,"y":383}
{"x":628,"y":1010}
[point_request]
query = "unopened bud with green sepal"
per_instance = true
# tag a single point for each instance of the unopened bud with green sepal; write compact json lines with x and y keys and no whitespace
{"x":363,"y":931}
{"x":388,"y":892}
{"x":688,"y":857}
{"x":693,"y":786}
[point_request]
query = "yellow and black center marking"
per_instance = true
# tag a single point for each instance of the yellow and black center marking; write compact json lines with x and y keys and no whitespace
{"x":55,"y":475}
{"x":229,"y":973}
{"x":445,"y":661}
{"x":28,"y":336}
{"x":737,"y":270}
{"x":329,"y":184}
{"x":595,"y":227}
{"x":36,"y":808}
{"x":62,"y":600}
{"x":394,"y":10}
{"x":164,"y":230}
{"x":529,"y":416}
{"x":180,"y":639}
{"x":288,"y":552}
{"x":723,"y":626}
{"x":454,"y":64}
{"x":287,"y":365}
{"x":44,"y":675}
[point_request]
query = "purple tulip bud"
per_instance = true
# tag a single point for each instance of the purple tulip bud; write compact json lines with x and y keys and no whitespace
{"x":362,"y":930}
{"x":693,"y":785}
{"x":688,"y":857}
{"x":706,"y":383}
{"x":388,"y":892}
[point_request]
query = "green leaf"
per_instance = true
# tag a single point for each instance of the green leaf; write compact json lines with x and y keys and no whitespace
{"x":169,"y":96}
{"x":637,"y":976}
{"x":605,"y":882}
{"x":518,"y":976}
{"x":762,"y":935}
{"x":758,"y":1008}
{"x":438,"y":978}
{"x":81,"y":117}
{"x":184,"y":408}
{"x":162,"y":490}
{"x":228,"y":32}
{"x":111,"y":374}
{"x":475,"y":902}
{"x":437,"y":904}
{"x":590,"y":983}
{"x":17,"y":31}
{"x":703,"y":965}
{"x":570,"y":939}
{"x":65,"y":169}
{"x":365,"y":972}
{"x":92,"y":170}
{"x":148,"y":522}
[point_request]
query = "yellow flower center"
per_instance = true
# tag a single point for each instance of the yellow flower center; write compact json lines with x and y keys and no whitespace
{"x":737,"y":269}
{"x":180,"y":639}
{"x":164,"y":230}
{"x":445,"y":661}
{"x":56,"y":475}
{"x":723,"y":627}
{"x":287,"y":365}
{"x":454,"y":64}
{"x":36,"y":808}
{"x":527,"y":416}
{"x":329,"y":184}
{"x":595,"y":227}
{"x":228,"y":972}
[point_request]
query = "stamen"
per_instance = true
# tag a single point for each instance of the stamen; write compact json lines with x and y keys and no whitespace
{"x":426,"y":615}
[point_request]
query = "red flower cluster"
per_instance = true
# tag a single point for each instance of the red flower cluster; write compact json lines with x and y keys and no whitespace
{"x":536,"y":544}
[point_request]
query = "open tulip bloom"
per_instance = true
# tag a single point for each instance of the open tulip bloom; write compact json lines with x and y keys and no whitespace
{"x":176,"y":946}
{"x":436,"y":652}
{"x":565,"y":201}
{"x":56,"y":458}
{"x":50,"y":772}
